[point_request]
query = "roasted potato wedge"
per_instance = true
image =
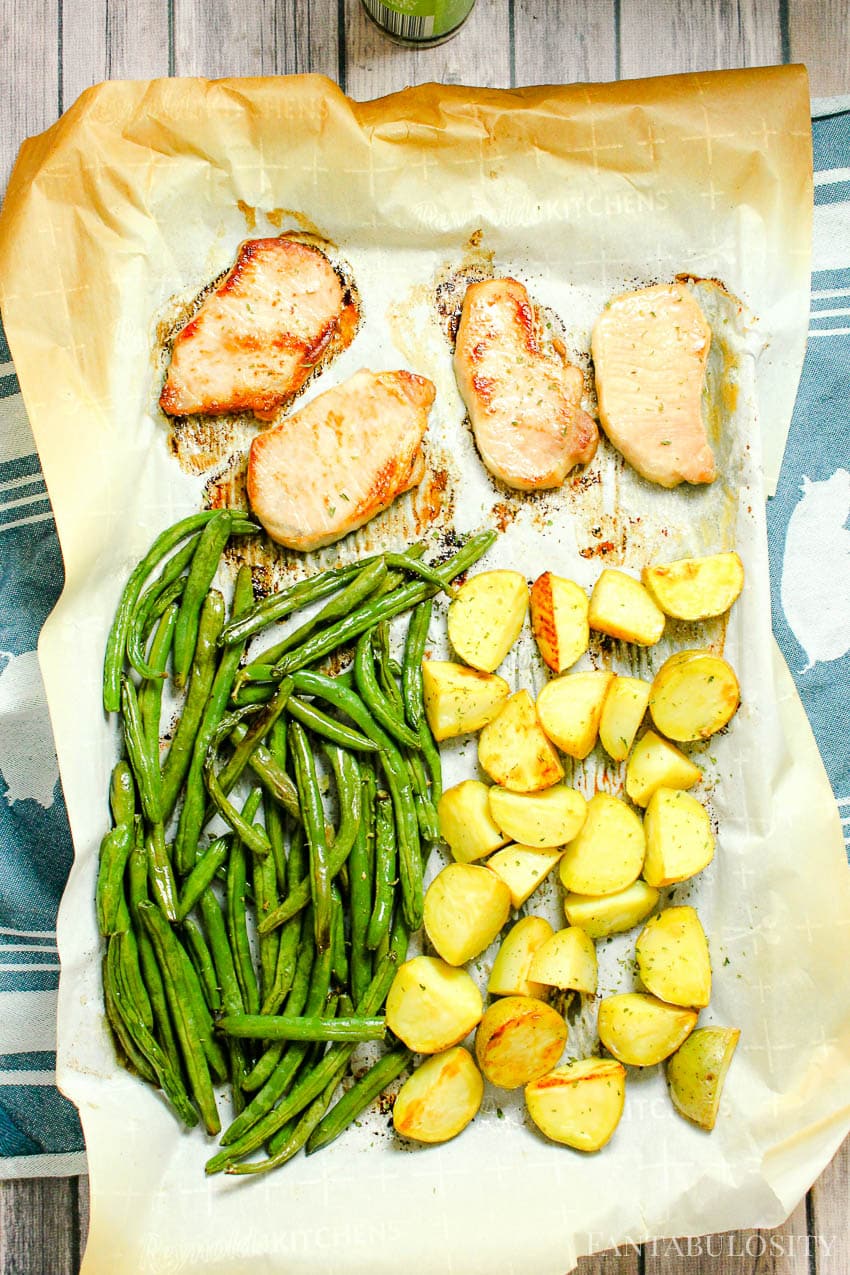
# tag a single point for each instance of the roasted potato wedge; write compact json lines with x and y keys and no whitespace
{"x":466,"y":822}
{"x":441,"y":1097}
{"x":696,"y":588}
{"x":539,"y":819}
{"x":432,"y":1005}
{"x":656,"y":763}
{"x":694,"y":694}
{"x":566,"y":960}
{"x":486,"y":616}
{"x":672,"y":958}
{"x":697,"y":1071}
{"x":622,"y":714}
{"x":679,"y":840}
{"x":460,"y":699}
{"x":514,"y":751}
{"x":607,"y":855}
{"x":559,"y":620}
{"x":611,"y":913}
{"x":518,"y":1039}
{"x":641,"y":1030}
{"x":569,"y":709}
{"x":465,"y":907}
{"x":621,"y":607}
{"x":522,"y":868}
{"x":509,"y":975}
{"x":579,"y":1105}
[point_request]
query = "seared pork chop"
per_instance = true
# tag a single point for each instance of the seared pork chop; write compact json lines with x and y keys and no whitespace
{"x":523,"y":397}
{"x":254,"y":341}
{"x":330,"y":467}
{"x":650,"y":349}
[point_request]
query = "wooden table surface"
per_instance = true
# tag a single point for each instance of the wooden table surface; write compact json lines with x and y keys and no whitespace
{"x":50,"y":50}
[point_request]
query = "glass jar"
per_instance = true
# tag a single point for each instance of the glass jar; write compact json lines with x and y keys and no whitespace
{"x":419,"y":23}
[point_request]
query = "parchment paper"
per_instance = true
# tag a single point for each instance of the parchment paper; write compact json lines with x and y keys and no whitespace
{"x":113,"y":221}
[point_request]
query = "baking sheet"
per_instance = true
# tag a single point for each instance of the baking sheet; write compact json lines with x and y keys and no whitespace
{"x":113,"y":220}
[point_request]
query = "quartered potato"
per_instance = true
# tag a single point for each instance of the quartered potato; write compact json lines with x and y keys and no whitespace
{"x":441,"y":1097}
{"x":607,"y":855}
{"x":466,"y":822}
{"x":465,"y":907}
{"x":541,"y":819}
{"x":679,"y":840}
{"x":622,"y":714}
{"x":641,"y":1030}
{"x":621,"y":607}
{"x":697,"y":1071}
{"x":518,"y":1039}
{"x":522,"y":868}
{"x":696,"y":588}
{"x":431,"y":1005}
{"x":460,"y":699}
{"x":559,"y":620}
{"x":514,"y":751}
{"x":611,"y":913}
{"x":672,"y":958}
{"x":566,"y":960}
{"x":656,"y":763}
{"x":694,"y":694}
{"x":486,"y":616}
{"x":579,"y":1105}
{"x":509,"y":975}
{"x":569,"y":709}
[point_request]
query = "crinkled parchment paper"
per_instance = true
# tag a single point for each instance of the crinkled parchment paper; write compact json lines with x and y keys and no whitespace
{"x":114,"y":220}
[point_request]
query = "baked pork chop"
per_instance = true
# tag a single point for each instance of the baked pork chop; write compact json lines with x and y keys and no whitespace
{"x":650,"y":349}
{"x":523,"y":397}
{"x":342,"y":458}
{"x":254,"y":341}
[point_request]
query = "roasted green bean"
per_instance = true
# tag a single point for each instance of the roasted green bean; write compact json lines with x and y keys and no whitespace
{"x":205,"y":560}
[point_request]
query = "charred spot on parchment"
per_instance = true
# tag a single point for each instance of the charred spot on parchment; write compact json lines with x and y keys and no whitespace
{"x":454,"y":277}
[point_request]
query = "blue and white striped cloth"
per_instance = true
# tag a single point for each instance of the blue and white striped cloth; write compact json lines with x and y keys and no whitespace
{"x":810,"y":569}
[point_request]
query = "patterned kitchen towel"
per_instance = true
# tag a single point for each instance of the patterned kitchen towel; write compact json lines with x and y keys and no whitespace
{"x":810,"y":576}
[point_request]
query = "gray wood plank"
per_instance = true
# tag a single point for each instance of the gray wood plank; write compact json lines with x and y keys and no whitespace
{"x":662,"y":37}
{"x":38,"y":1235}
{"x":818,"y":32}
{"x":82,"y":1213}
{"x":224,"y":37}
{"x":782,"y":1251}
{"x":117,"y":40}
{"x":307,"y":37}
{"x":29,"y":77}
{"x":556,"y":43}
{"x":829,"y":1205}
{"x":624,"y":1261}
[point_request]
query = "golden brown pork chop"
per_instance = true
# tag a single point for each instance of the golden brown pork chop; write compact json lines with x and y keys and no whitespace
{"x":330,"y":467}
{"x":523,"y":397}
{"x":254,"y":340}
{"x":650,"y":349}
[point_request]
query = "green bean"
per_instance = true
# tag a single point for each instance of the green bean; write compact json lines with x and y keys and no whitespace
{"x":122,"y":1036}
{"x":265,"y":900}
{"x":146,"y":775}
{"x":361,"y":868}
{"x":273,"y":778}
{"x":251,"y":835}
{"x":296,"y":1139}
{"x":287,"y":953}
{"x":426,"y":813}
{"x":200,"y":1012}
{"x":201,"y":957}
{"x":358,"y":1097}
{"x":167,"y":588}
{"x":314,"y":828}
{"x":255,"y":733}
{"x":385,"y":869}
{"x":203,"y":671}
{"x":161,"y":872}
{"x":373,"y":697}
{"x":122,"y":794}
{"x":205,"y":560}
{"x":225,"y":968}
{"x":150,"y":693}
{"x":295,"y":1003}
{"x":202,"y":875}
{"x":318,"y":722}
{"x":416,"y":568}
{"x":414,"y":653}
{"x":115,"y":850}
{"x":339,"y":956}
{"x":237,"y":926}
{"x":266,"y":1027}
{"x":137,"y":877}
{"x":431,"y":754}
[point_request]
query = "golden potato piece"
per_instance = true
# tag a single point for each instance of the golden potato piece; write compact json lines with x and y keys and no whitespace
{"x":518,"y":1039}
{"x":696,"y":588}
{"x":540,"y":819}
{"x":441,"y":1097}
{"x":486,"y":616}
{"x":514,"y":751}
{"x":465,"y":907}
{"x":579,"y":1105}
{"x":509,"y":975}
{"x":607,"y":855}
{"x":622,"y":714}
{"x":466,"y":822}
{"x":679,"y":840}
{"x":431,"y":1005}
{"x":694,"y":694}
{"x":460,"y":699}
{"x":569,"y":709}
{"x":522,"y":868}
{"x":566,"y":960}
{"x":559,"y":620}
{"x":697,"y":1071}
{"x":611,"y":913}
{"x":672,"y":958}
{"x":641,"y":1030}
{"x":656,"y":763}
{"x":621,"y":607}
